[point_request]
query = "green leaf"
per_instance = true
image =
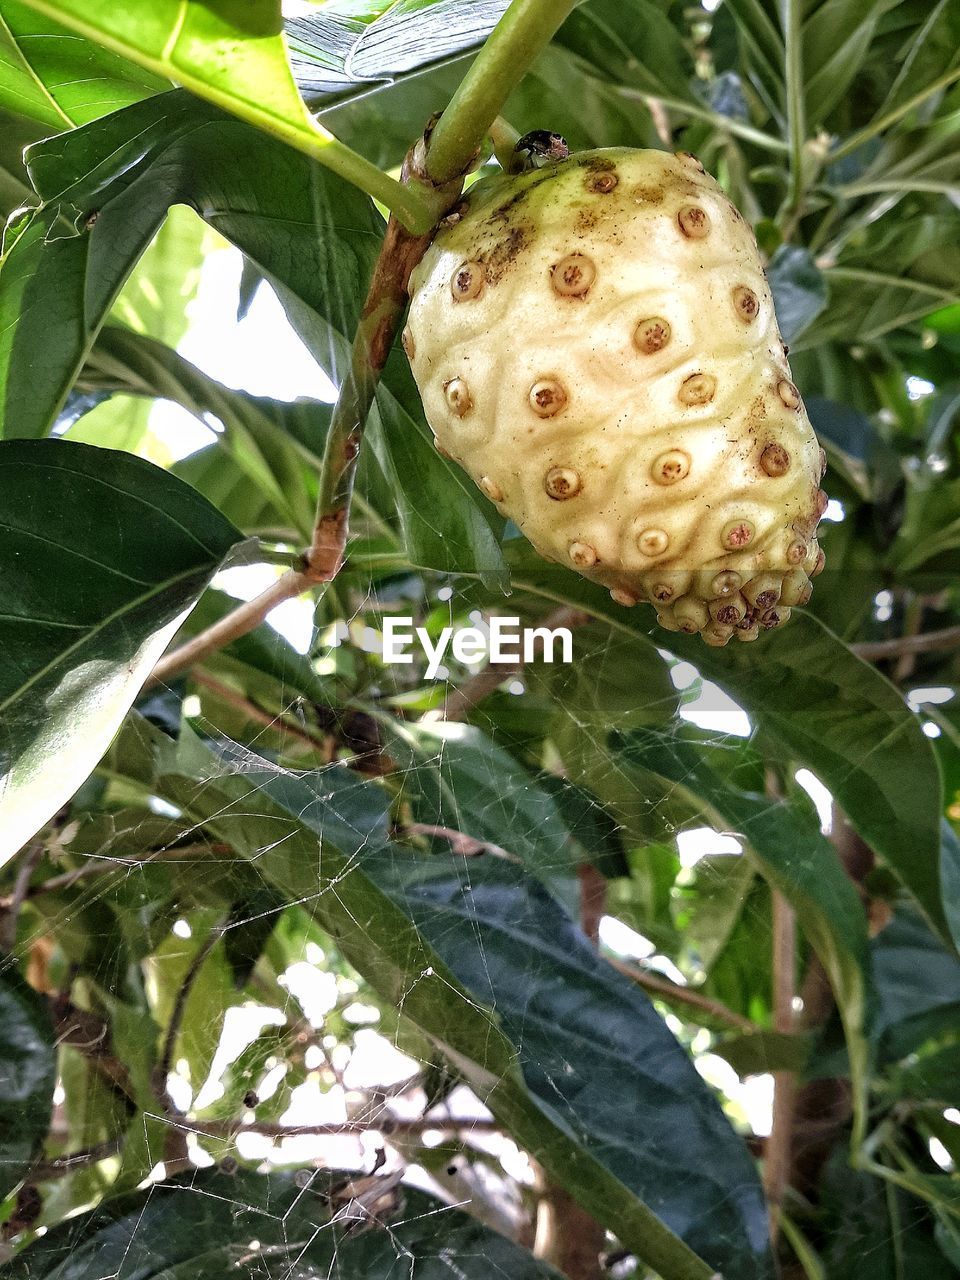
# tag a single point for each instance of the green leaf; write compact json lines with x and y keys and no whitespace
{"x":865,"y":304}
{"x":58,"y":79}
{"x":275,"y":818}
{"x":806,"y":689}
{"x":16,"y":133}
{"x":232,"y":55}
{"x":836,"y":39}
{"x":760,"y":1052}
{"x":28,"y":1073}
{"x":457,"y":777}
{"x":337,"y":51}
{"x":199,"y":1227}
{"x":796,"y":859}
{"x":103,"y":556}
{"x":931,"y":521}
{"x":799,"y":290}
{"x":313,"y":237}
{"x":170,"y":149}
{"x":929,"y":51}
{"x":917,"y":983}
{"x":931,"y":1077}
{"x":211,"y":993}
{"x":591,"y":1048}
{"x":855,"y":448}
{"x":631,"y":43}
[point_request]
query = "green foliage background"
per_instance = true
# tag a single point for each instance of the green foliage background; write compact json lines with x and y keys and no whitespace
{"x":272,"y":802}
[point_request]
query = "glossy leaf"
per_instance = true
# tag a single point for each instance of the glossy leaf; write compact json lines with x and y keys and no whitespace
{"x":343,"y":47}
{"x":314,"y":237}
{"x":788,"y":849}
{"x":917,"y":983}
{"x":103,"y":554}
{"x":462,"y":780}
{"x":28,"y":1073}
{"x":59,"y":79}
{"x":232,"y":56}
{"x":799,"y":290}
{"x":199,"y":1227}
{"x":820,"y":703}
{"x":275,"y":818}
{"x":592,"y":1049}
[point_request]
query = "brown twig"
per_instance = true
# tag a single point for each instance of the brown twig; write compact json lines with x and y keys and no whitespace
{"x":10,"y":909}
{"x":279,"y":723}
{"x":466,"y":846}
{"x":778,"y":1152}
{"x":235,"y":624}
{"x":386,"y":1125}
{"x":926,"y":642}
{"x":63,"y":1166}
{"x":671,"y":993}
{"x":110,"y":865}
{"x":385,"y":303}
{"x":89,"y":1034}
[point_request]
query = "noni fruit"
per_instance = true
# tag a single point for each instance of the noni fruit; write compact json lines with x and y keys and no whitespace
{"x":595,"y":343}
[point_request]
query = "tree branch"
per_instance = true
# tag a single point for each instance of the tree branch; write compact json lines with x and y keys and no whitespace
{"x":63,"y":1166}
{"x":279,"y":723}
{"x":519,"y":36}
{"x":386,"y":1125}
{"x":385,"y":303}
{"x":460,"y":702}
{"x":926,"y":642}
{"x":235,"y":624}
{"x":671,"y":993}
{"x":778,"y":1151}
{"x":10,"y":907}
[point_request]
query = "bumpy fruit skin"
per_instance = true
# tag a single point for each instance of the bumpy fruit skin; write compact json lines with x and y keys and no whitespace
{"x":595,"y":343}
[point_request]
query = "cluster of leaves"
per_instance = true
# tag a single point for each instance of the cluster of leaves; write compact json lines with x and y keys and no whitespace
{"x":271,"y":798}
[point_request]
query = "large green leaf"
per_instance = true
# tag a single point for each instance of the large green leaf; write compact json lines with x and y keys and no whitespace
{"x":102,"y":555}
{"x":313,"y":236}
{"x":785,"y":841}
{"x":631,"y":43}
{"x":338,"y":50}
{"x":16,"y":133}
{"x":28,"y":1073}
{"x":592,"y":1049}
{"x":275,"y":818}
{"x":231,"y":54}
{"x":58,"y":78}
{"x":822,"y":704}
{"x":116,"y":179}
{"x":200,"y":1227}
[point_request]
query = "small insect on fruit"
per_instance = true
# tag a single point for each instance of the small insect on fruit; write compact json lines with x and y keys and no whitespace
{"x":595,"y":342}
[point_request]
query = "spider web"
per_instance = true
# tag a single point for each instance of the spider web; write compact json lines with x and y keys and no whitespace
{"x":367,"y":1076}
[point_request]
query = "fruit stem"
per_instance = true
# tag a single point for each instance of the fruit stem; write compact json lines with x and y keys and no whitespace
{"x":796,"y":106}
{"x":384,"y":305}
{"x":504,"y":138}
{"x":525,"y":28}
